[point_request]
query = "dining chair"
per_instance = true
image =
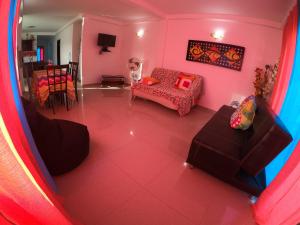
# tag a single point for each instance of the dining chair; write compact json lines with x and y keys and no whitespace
{"x":27,"y":71}
{"x":57,"y":84}
{"x":73,"y":70}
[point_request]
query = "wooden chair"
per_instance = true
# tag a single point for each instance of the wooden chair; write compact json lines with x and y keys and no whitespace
{"x":57,"y":84}
{"x":28,"y":69}
{"x":73,"y":70}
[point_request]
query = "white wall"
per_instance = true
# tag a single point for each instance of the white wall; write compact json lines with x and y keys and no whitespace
{"x":66,"y":45}
{"x":77,"y":28}
{"x":149,"y":48}
{"x":94,"y":64}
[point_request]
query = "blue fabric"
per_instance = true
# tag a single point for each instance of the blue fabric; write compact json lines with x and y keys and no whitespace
{"x":290,"y":115}
{"x":38,"y":54}
{"x":16,"y":94}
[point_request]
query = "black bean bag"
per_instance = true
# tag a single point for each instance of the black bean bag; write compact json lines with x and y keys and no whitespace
{"x":63,"y":144}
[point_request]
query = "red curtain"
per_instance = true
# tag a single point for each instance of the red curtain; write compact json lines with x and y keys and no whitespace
{"x":25,"y":197}
{"x":280,"y":202}
{"x":286,"y":60}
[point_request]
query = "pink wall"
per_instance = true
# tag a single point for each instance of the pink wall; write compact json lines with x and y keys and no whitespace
{"x":262,"y":45}
{"x":150,"y":48}
{"x":93,"y":64}
{"x":165,"y":42}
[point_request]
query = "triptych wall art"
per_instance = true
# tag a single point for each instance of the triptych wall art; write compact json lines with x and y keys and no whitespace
{"x":218,"y":54}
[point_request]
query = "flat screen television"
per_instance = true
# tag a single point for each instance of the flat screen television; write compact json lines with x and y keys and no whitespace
{"x":106,"y":40}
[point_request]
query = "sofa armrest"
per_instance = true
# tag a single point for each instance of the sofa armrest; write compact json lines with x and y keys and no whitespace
{"x":196,"y":89}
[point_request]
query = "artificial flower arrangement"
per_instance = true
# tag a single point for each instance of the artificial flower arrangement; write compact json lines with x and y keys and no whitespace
{"x":265,"y":80}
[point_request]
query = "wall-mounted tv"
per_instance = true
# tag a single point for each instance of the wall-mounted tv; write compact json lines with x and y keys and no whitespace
{"x":106,"y":40}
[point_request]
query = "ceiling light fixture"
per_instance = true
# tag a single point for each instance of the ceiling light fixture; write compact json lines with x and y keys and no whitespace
{"x":218,"y":34}
{"x":140,"y":33}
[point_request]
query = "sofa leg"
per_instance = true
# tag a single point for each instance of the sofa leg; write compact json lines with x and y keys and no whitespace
{"x":187,"y":165}
{"x":252,"y":199}
{"x":132,"y":97}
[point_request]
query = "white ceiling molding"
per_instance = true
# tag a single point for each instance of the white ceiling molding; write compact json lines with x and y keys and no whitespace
{"x":141,"y":21}
{"x":149,"y":7}
{"x":104,"y":19}
{"x":231,"y":18}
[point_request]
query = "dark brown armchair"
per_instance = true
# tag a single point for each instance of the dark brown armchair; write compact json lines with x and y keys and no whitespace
{"x":239,"y":157}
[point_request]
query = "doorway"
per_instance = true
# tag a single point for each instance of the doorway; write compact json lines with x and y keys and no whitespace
{"x":58,"y":52}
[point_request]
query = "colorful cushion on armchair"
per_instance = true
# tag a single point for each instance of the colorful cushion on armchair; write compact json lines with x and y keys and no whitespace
{"x":243,"y":117}
{"x":241,"y":121}
{"x":248,"y":104}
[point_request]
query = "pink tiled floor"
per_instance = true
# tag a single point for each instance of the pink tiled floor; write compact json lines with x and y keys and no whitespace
{"x":134,"y":174}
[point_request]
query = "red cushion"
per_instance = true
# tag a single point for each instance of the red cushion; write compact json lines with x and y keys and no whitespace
{"x":184,"y":81}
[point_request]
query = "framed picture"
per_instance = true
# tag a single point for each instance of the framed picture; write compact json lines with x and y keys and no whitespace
{"x":218,"y":54}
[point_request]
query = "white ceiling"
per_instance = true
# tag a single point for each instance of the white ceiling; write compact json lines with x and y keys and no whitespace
{"x":274,"y":10}
{"x":50,"y":15}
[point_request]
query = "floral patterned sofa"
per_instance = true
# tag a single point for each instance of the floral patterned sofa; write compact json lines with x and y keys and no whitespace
{"x":165,"y":92}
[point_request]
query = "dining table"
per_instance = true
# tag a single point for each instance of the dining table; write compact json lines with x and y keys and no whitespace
{"x":40,"y":86}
